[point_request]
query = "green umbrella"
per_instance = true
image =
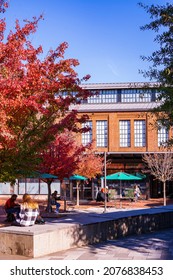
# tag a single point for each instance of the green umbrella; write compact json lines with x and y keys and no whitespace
{"x":122,"y":176}
{"x":43,"y":175}
{"x":77,"y":177}
{"x":140,"y":175}
{"x":47,"y":176}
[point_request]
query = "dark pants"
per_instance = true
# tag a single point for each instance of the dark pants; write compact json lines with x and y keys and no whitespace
{"x":57,"y":205}
{"x":101,"y":196}
{"x":15,"y":210}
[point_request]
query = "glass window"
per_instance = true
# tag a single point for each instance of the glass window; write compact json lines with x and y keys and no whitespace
{"x":87,"y":136}
{"x":102,"y":133}
{"x":136,"y":95}
{"x":32,"y":185}
{"x":7,"y":188}
{"x":139,"y":133}
{"x":163,"y":135}
{"x":124,"y":127}
{"x":104,"y":96}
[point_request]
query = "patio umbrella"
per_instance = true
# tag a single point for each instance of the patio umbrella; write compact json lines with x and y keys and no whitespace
{"x":77,"y":178}
{"x":140,"y":175}
{"x":40,"y":175}
{"x":122,"y":176}
{"x":47,"y":176}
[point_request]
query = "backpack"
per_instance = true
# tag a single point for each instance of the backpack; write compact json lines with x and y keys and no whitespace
{"x":10,"y":217}
{"x":40,"y":220}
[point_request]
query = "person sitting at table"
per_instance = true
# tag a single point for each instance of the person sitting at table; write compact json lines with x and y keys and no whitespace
{"x":101,"y":194}
{"x":100,"y":197}
{"x":54,"y":198}
{"x":29,"y":210}
{"x":105,"y":191}
{"x":11,"y":208}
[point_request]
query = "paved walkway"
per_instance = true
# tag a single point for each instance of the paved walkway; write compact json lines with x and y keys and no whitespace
{"x":151,"y":246}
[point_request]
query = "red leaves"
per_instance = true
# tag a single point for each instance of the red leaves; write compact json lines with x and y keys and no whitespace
{"x":63,"y":156}
{"x":32,"y":102}
{"x":91,"y":164}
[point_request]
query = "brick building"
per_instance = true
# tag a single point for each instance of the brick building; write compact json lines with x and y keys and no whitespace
{"x":122,"y":126}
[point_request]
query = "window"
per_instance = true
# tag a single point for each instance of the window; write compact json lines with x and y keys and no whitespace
{"x":87,"y":136}
{"x":104,"y":96}
{"x":140,"y":133}
{"x":102,"y":133}
{"x":124,"y":127}
{"x":136,"y":95}
{"x":163,"y":135}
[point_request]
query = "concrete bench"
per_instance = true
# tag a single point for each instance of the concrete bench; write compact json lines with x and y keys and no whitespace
{"x":37,"y":240}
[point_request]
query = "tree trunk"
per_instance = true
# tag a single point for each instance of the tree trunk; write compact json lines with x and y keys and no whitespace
{"x":164,"y":193}
{"x":49,"y":208}
{"x":77,"y":190}
{"x":64,"y":195}
{"x":65,"y":199}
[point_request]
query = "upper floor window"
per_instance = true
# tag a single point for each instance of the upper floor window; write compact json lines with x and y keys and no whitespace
{"x":104,"y":96}
{"x":124,"y":128}
{"x":163,"y":134}
{"x":139,"y":133}
{"x":102,"y":133}
{"x":87,"y":136}
{"x":136,"y":95}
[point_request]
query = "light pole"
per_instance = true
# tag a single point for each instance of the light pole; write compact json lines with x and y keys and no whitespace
{"x":105,"y":202}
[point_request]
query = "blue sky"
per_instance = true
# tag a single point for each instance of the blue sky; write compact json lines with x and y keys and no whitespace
{"x":104,"y":35}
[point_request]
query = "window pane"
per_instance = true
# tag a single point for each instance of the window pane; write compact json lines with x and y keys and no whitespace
{"x":87,"y":136}
{"x":124,"y":127}
{"x":140,"y":133}
{"x":136,"y":95}
{"x":103,"y":96}
{"x":162,"y":134}
{"x":102,"y":133}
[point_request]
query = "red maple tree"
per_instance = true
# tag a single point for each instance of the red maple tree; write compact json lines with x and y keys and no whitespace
{"x":91,"y":164}
{"x":35,"y":98}
{"x":66,"y":156}
{"x":61,"y":158}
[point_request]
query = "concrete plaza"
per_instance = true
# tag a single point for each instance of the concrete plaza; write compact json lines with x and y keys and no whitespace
{"x":150,"y":246}
{"x":157,"y":245}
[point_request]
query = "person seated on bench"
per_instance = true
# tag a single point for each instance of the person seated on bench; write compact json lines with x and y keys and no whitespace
{"x":29,"y":210}
{"x":123,"y":193}
{"x":54,"y":198}
{"x":101,"y":194}
{"x":105,"y":191}
{"x":100,"y":197}
{"x":11,"y":208}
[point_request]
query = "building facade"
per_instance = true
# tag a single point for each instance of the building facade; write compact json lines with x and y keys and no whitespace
{"x":121,"y":124}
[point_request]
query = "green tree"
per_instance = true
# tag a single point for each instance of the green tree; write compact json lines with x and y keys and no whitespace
{"x":161,"y":69}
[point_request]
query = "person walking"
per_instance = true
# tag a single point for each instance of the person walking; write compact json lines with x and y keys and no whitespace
{"x":136,"y":192}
